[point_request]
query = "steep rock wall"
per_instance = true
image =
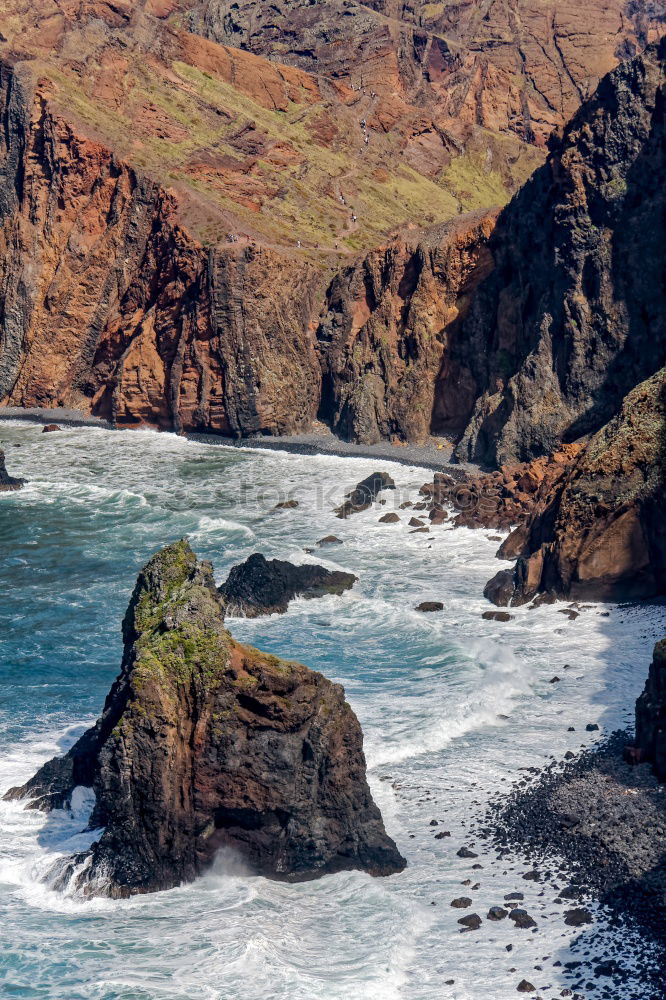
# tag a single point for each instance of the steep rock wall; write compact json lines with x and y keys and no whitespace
{"x":600,"y":533}
{"x":108,"y":305}
{"x":385,"y":331}
{"x":573,"y":315}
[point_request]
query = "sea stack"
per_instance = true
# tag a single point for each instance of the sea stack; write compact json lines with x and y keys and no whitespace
{"x":204,"y":743}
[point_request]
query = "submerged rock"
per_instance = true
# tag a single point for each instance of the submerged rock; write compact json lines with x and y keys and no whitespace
{"x":265,"y":587}
{"x":7,"y":482}
{"x":204,"y":743}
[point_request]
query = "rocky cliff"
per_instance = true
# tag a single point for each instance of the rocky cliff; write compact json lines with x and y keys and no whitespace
{"x":651,"y":713}
{"x":203,"y":744}
{"x":386,"y":327}
{"x":513,"y":67}
{"x":599,"y":532}
{"x":108,"y":305}
{"x":572,"y":317}
{"x":181,"y":219}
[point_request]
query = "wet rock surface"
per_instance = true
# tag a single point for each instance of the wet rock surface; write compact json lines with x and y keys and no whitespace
{"x":365,"y":493}
{"x":430,"y":606}
{"x":8,"y":483}
{"x":204,"y":743}
{"x":261,"y":586}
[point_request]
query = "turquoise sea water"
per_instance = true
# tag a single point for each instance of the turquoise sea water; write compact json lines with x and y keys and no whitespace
{"x":451,"y":707}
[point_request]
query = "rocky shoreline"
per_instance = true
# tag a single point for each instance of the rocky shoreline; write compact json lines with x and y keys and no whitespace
{"x":591,"y":830}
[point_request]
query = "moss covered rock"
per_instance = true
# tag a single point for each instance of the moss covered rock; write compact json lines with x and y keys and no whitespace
{"x":204,"y":743}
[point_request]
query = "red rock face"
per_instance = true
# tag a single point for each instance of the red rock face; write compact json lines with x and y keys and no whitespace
{"x":520,"y":67}
{"x":384,"y":334}
{"x":111,"y":307}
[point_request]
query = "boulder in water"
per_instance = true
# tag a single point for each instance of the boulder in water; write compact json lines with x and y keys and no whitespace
{"x":365,"y":493}
{"x":8,"y":483}
{"x":265,"y":587}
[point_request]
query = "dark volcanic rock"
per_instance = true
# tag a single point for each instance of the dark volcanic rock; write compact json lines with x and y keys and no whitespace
{"x":265,"y":587}
{"x":365,"y":493}
{"x":471,"y":923}
{"x":522,"y":919}
{"x":203,"y":744}
{"x":578,"y":917}
{"x":497,"y":616}
{"x":600,"y":533}
{"x":651,"y":713}
{"x":427,"y":606}
{"x":548,"y":355}
{"x":7,"y":482}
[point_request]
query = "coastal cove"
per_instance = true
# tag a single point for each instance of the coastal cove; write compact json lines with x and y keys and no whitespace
{"x":452,"y":708}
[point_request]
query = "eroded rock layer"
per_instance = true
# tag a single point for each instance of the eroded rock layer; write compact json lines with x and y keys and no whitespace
{"x":203,"y":744}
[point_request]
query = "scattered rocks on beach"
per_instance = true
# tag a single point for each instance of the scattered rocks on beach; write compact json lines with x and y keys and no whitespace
{"x":389,"y":519}
{"x":606,"y":820}
{"x":522,"y":919}
{"x":265,"y":587}
{"x":578,"y":917}
{"x":472,"y":922}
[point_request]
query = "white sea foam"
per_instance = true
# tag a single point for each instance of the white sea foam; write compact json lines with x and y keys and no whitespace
{"x":429,"y":691}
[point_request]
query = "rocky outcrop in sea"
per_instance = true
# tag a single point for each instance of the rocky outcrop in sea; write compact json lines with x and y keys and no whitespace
{"x":261,"y":586}
{"x":8,"y":483}
{"x":204,"y":743}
